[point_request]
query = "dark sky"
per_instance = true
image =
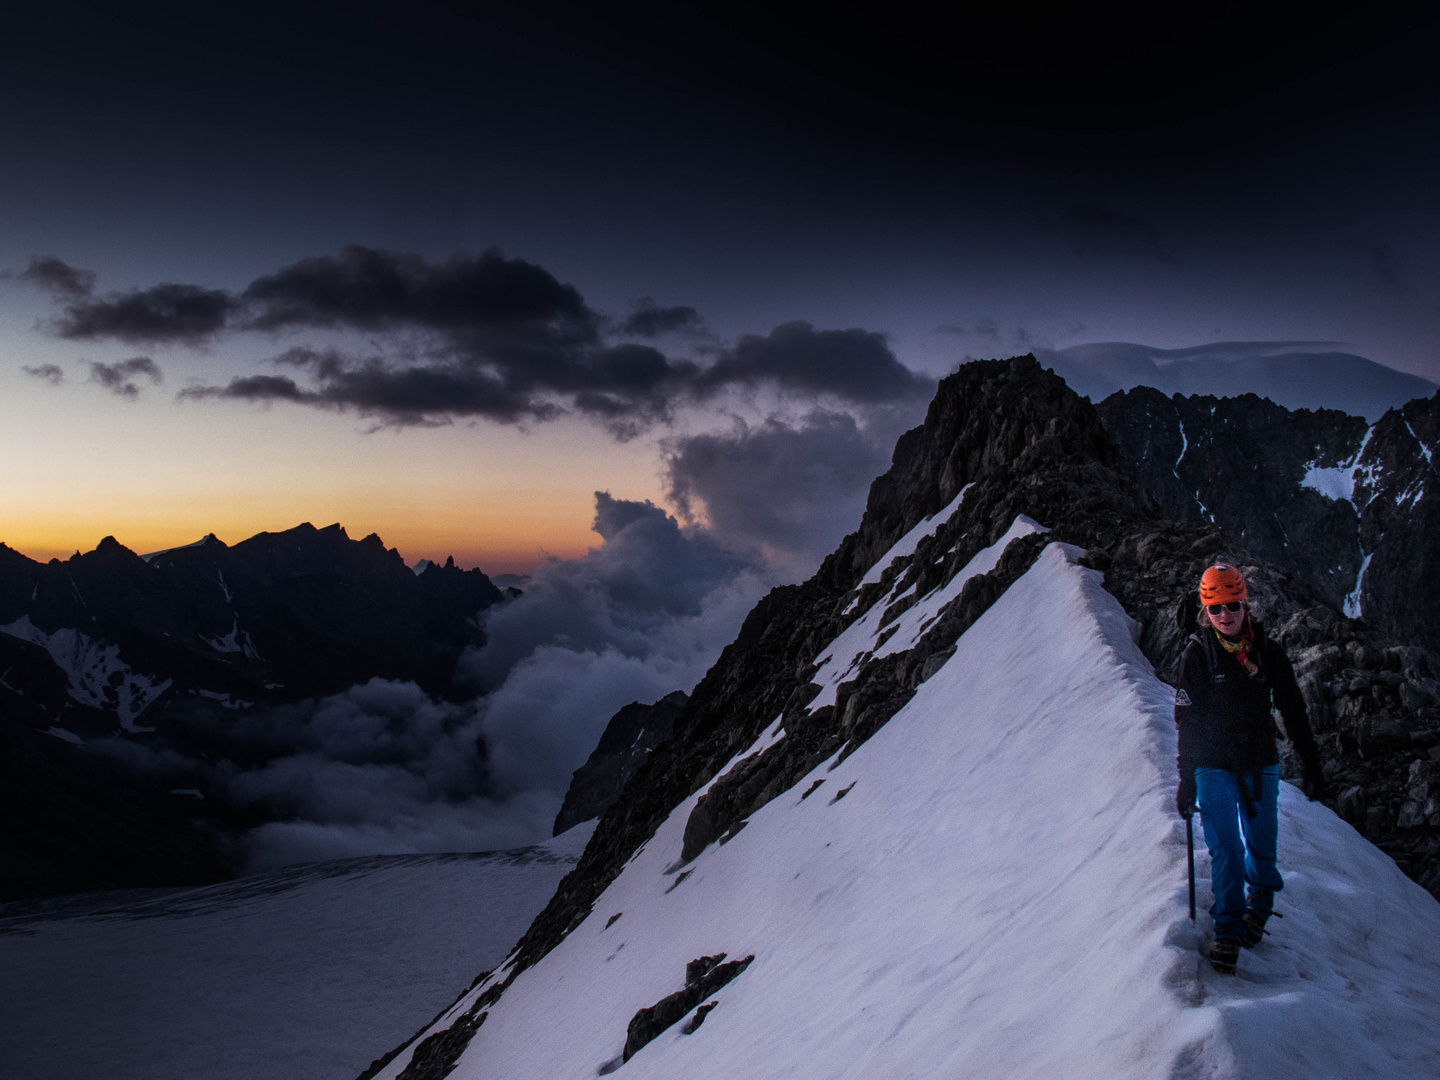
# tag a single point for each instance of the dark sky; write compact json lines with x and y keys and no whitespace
{"x":562,"y":134}
{"x":982,"y":185}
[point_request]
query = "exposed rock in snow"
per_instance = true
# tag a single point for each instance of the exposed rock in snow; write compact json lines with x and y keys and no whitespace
{"x":98,"y":677}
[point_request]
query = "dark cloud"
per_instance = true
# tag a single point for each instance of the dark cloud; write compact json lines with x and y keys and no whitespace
{"x":853,"y":364}
{"x":51,"y":373}
{"x":1092,"y":228}
{"x":506,"y":342}
{"x":814,"y":475}
{"x":421,"y":395}
{"x":649,"y":320}
{"x":645,"y":613}
{"x":187,"y":314}
{"x":253,"y":388}
{"x":487,"y":337}
{"x":506,"y":301}
{"x":625,"y":387}
{"x":119,"y":377}
{"x":56,"y":277}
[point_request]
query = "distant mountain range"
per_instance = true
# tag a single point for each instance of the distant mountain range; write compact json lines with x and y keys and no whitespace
{"x":163,"y":650}
{"x":1296,"y":374}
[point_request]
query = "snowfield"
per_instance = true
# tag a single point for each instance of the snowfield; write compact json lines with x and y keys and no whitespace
{"x":306,"y":973}
{"x":999,"y":893}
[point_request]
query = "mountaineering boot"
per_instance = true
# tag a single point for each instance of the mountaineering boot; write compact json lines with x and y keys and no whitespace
{"x":1258,"y":909}
{"x":1223,"y":955}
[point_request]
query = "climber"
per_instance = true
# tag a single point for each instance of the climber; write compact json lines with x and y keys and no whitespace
{"x":1227,"y":678}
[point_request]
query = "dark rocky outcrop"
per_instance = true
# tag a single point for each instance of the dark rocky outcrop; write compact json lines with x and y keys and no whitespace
{"x":437,"y":1056}
{"x":77,"y":822}
{"x":1240,"y":463}
{"x":703,"y":977}
{"x":629,"y":738}
{"x":1398,"y":492}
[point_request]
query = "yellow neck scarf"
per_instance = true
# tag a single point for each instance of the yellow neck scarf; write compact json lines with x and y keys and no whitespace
{"x":1242,"y":647}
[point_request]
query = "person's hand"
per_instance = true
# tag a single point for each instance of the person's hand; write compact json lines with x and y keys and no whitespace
{"x":1314,"y":782}
{"x":1185,"y":796}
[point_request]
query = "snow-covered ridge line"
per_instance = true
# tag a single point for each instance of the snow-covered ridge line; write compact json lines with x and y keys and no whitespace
{"x":961,"y":926}
{"x":949,"y":917}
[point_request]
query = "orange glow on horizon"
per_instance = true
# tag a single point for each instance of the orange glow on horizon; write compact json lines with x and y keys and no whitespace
{"x":156,"y":475}
{"x":494,"y":553}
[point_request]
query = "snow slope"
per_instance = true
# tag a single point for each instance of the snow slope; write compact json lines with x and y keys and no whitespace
{"x":999,"y":893}
{"x":300,"y":973}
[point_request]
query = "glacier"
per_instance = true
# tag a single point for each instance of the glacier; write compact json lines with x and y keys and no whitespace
{"x":296,"y":973}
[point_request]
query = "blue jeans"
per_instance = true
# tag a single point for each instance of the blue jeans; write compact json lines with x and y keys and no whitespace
{"x":1241,"y":849}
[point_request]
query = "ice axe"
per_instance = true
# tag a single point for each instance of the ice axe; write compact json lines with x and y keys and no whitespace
{"x":1190,"y":852}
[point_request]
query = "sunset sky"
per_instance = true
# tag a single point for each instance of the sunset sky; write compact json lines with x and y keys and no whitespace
{"x":442,"y":271}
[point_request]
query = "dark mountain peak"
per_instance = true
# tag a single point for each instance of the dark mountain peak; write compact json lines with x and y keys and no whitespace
{"x":111,"y":551}
{"x":1008,"y":423}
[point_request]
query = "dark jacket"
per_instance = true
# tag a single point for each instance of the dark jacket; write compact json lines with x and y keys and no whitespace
{"x":1222,"y":712}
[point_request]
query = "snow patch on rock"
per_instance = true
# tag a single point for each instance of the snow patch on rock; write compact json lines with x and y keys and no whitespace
{"x":907,"y":544}
{"x":96,"y":674}
{"x":865,"y":637}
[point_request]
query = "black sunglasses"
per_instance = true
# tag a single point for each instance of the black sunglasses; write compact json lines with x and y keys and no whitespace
{"x":1233,"y":605}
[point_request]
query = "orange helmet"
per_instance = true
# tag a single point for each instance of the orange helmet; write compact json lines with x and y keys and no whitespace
{"x":1221,"y":584}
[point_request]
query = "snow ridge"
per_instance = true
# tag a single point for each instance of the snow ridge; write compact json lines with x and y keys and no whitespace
{"x":992,"y":885}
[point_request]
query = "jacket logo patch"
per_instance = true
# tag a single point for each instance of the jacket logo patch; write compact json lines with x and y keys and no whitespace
{"x":1217,"y":678}
{"x":1182,"y":698}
